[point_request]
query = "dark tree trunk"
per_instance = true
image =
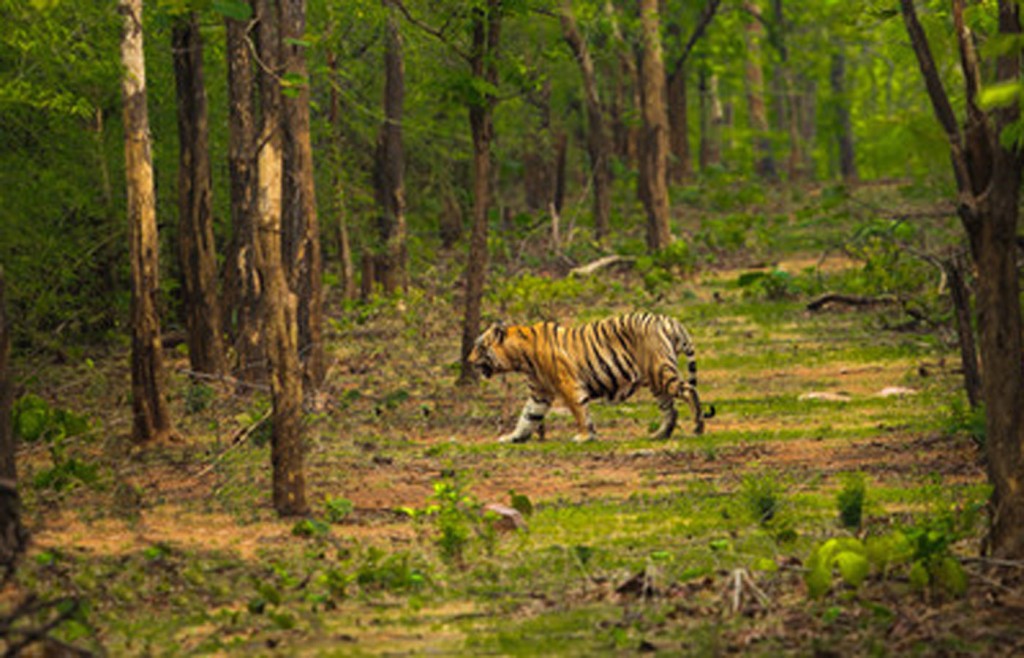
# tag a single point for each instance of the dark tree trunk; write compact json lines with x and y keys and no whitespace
{"x":843,"y":124}
{"x":653,"y":180}
{"x":279,"y":303}
{"x":197,"y":253}
{"x":988,"y":177}
{"x":242,"y":284}
{"x":150,"y":418}
{"x":301,"y":228}
{"x":597,"y":138}
{"x":680,"y":168}
{"x":12,"y":533}
{"x":389,"y":169}
{"x":965,"y":332}
{"x":483,"y":62}
{"x":625,"y":133}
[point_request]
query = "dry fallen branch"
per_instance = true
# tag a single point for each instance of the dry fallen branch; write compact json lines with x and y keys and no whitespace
{"x":601,"y":264}
{"x":236,"y":440}
{"x":849,"y":300}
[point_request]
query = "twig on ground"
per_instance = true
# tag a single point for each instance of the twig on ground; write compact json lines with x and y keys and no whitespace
{"x":238,"y":439}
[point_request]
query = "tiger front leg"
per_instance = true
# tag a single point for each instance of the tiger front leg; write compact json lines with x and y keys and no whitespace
{"x":530,"y":420}
{"x":584,"y":425}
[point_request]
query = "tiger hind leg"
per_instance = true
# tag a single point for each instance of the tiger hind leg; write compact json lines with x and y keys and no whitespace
{"x":669,"y":417}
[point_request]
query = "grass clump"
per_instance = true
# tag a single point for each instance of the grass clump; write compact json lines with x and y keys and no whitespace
{"x":850,"y":500}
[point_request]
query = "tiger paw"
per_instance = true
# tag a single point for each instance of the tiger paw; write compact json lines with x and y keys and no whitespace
{"x":584,"y":438}
{"x":512,"y":438}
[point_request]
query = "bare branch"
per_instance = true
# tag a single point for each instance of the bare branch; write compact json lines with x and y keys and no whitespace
{"x":437,"y":33}
{"x":706,"y":16}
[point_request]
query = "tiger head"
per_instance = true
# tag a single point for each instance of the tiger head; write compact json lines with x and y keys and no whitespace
{"x":489,"y":355}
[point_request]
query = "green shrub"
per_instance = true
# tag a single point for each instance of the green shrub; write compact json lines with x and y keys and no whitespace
{"x":762,"y":496}
{"x":850,"y":500}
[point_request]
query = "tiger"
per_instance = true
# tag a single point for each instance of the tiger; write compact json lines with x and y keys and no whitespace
{"x":607,"y":359}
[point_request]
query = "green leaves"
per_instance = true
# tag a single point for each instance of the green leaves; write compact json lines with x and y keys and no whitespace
{"x":239,"y":10}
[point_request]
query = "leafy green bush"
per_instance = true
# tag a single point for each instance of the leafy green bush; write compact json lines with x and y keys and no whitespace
{"x":960,"y":418}
{"x":850,"y":500}
{"x":34,"y":420}
{"x":762,"y":496}
{"x":773,"y":285}
{"x":337,"y":510}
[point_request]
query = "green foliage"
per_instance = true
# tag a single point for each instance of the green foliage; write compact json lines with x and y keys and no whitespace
{"x":391,"y":572}
{"x":531,"y":296}
{"x":762,"y":496}
{"x":34,"y":419}
{"x":773,"y":285}
{"x":960,"y":418}
{"x":457,"y":519}
{"x":850,"y":500}
{"x":198,"y":397}
{"x":337,"y":510}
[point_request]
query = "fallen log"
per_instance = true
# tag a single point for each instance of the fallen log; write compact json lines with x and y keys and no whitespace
{"x":601,"y":264}
{"x":849,"y":300}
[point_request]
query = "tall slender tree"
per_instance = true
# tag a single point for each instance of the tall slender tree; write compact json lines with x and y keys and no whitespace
{"x":483,"y":62}
{"x":987,"y":167}
{"x":197,"y":254}
{"x":653,"y":179}
{"x":841,"y":110}
{"x":389,"y":163}
{"x":12,"y":532}
{"x":597,"y":132}
{"x":764,"y":160}
{"x":279,"y":303}
{"x":150,"y":417}
{"x":301,"y":228}
{"x":242,"y":283}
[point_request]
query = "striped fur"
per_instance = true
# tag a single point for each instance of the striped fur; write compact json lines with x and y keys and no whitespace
{"x":608,"y":359}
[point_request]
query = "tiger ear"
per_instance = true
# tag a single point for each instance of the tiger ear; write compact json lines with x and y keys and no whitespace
{"x":500,"y":330}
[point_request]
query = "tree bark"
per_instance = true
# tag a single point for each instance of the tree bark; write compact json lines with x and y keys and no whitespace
{"x":13,"y":536}
{"x":653,"y":180}
{"x":965,"y":332}
{"x":988,"y":177}
{"x":301,"y":229}
{"x":279,"y":303}
{"x":242,"y":283}
{"x":597,"y":138}
{"x":197,"y":253}
{"x":843,"y":124}
{"x":483,"y":63}
{"x":150,"y":418}
{"x":389,"y":169}
{"x":711,"y":117}
{"x":764,"y":161}
{"x":346,"y":262}
{"x":680,"y":168}
{"x":625,"y":137}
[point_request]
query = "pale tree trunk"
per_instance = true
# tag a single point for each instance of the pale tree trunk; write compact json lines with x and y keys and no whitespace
{"x":301,"y":229}
{"x":150,"y":418}
{"x":483,"y":63}
{"x":197,"y":254}
{"x":389,"y":169}
{"x":711,"y":118}
{"x":346,"y":263}
{"x":279,"y":303}
{"x":597,"y":138}
{"x":242,"y":282}
{"x":764,"y":161}
{"x":13,"y":536}
{"x":653,"y":180}
{"x":843,"y":124}
{"x":988,"y":178}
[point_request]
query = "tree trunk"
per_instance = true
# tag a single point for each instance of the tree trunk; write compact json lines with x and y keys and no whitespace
{"x":844,"y":127}
{"x":597,"y":139}
{"x":653,"y":180}
{"x":301,"y":229}
{"x":965,"y":332}
{"x":242,"y":282}
{"x":150,"y":418}
{"x":764,"y":161}
{"x":988,"y":177}
{"x":197,"y":253}
{"x":346,"y":268}
{"x":711,"y":117}
{"x":483,"y":62}
{"x":681,"y":168}
{"x":389,"y":169}
{"x":12,"y":533}
{"x":279,"y":304}
{"x":625,"y":136}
